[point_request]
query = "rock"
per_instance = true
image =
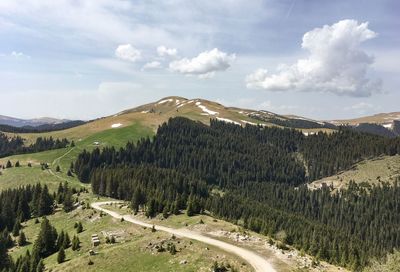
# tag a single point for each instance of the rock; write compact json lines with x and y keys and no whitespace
{"x":183,"y":262}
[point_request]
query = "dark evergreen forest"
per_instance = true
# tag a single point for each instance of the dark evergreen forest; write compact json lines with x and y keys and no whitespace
{"x":262,"y":173}
{"x":15,"y":145}
{"x":22,"y":204}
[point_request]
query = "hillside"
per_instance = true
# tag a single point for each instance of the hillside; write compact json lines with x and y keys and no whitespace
{"x":154,"y":114}
{"x":205,"y":167}
{"x":380,"y":118}
{"x":383,"y":124}
{"x":372,"y":171}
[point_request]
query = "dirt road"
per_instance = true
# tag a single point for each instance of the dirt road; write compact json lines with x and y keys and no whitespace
{"x":259,"y":263}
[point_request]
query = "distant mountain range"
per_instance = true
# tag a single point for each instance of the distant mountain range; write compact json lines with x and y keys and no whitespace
{"x":385,"y":124}
{"x":17,"y":122}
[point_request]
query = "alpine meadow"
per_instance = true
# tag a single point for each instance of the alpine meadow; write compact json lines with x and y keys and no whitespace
{"x":149,"y":136}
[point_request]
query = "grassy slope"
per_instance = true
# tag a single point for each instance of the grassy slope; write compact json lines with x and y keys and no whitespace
{"x":210,"y":226}
{"x":130,"y":253}
{"x":372,"y":171}
{"x":14,"y":177}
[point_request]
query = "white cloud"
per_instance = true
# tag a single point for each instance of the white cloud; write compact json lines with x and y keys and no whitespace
{"x":152,"y":65}
{"x":19,"y":55}
{"x":205,"y":64}
{"x":163,"y":51}
{"x":336,"y":64}
{"x":16,"y":55}
{"x":127,"y":52}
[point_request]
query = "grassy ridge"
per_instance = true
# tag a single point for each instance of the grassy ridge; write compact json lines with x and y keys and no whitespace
{"x":372,"y":171}
{"x":14,"y":177}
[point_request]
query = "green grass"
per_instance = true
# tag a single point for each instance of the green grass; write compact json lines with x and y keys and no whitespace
{"x":130,"y":253}
{"x":373,"y":171}
{"x":14,"y":177}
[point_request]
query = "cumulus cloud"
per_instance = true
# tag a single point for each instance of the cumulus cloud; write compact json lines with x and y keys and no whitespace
{"x":152,"y":65}
{"x":163,"y":51}
{"x":127,"y":52}
{"x":335,"y":64}
{"x":205,"y":64}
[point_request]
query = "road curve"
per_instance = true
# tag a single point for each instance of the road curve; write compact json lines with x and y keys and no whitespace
{"x":259,"y":263}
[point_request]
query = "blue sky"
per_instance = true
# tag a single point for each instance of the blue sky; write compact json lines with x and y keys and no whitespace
{"x":86,"y":59}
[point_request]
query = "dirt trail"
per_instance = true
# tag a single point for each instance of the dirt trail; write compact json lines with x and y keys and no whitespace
{"x":259,"y":263}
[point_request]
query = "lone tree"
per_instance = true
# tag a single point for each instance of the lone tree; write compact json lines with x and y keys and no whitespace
{"x":21,"y":238}
{"x":58,"y":169}
{"x":61,"y":255}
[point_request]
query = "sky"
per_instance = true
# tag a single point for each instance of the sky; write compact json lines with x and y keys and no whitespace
{"x":83,"y":59}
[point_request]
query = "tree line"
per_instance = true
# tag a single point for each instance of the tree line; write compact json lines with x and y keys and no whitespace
{"x":41,"y":128}
{"x":33,"y":201}
{"x":261,"y":172}
{"x":15,"y":145}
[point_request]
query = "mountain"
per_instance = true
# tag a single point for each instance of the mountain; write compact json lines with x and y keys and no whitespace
{"x":384,"y":124}
{"x":380,"y":118}
{"x":153,"y":114}
{"x":17,"y":122}
{"x":204,"y":110}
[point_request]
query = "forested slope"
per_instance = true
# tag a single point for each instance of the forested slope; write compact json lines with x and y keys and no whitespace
{"x":262,"y":178}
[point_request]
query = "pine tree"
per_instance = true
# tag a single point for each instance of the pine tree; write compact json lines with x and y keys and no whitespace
{"x":58,"y":169}
{"x":60,"y":239}
{"x":9,"y":164}
{"x":5,"y":260}
{"x":23,"y":211}
{"x":67,"y":241}
{"x":16,"y":228}
{"x":75,"y":243}
{"x":45,"y":205}
{"x":17,"y":164}
{"x":45,"y":243}
{"x":61,"y":255}
{"x":21,"y":239}
{"x":79,"y":229}
{"x":67,"y":202}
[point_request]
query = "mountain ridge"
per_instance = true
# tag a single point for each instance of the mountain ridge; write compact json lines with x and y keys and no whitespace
{"x":155,"y":113}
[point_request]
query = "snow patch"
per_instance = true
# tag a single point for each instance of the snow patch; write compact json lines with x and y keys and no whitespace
{"x":248,"y":122}
{"x":389,"y":126}
{"x":204,"y":109}
{"x":165,"y":101}
{"x":116,"y":125}
{"x":308,"y":133}
{"x":228,"y":120}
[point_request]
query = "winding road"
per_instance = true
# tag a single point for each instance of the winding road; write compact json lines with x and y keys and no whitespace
{"x":259,"y":263}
